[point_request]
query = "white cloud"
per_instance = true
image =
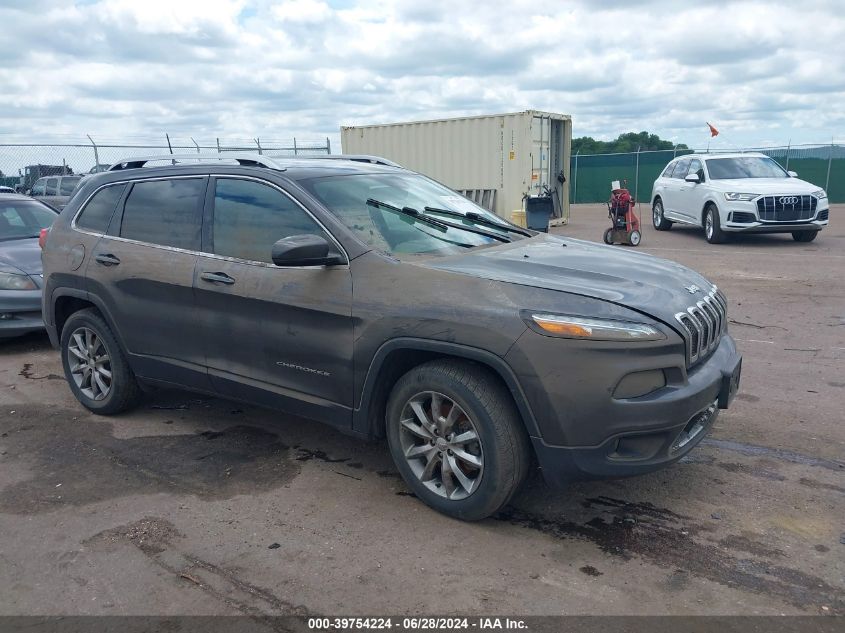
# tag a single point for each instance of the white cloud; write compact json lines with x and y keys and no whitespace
{"x":761,"y":70}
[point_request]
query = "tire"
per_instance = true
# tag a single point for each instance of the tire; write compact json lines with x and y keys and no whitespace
{"x":88,"y":340}
{"x":657,"y":218}
{"x":608,"y":237}
{"x":635,"y":238}
{"x":804,"y":236}
{"x":491,"y":467}
{"x":712,"y":228}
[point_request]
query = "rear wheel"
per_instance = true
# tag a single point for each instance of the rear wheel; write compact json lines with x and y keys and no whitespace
{"x":456,"y":438}
{"x":95,"y":365}
{"x":712,"y":227}
{"x":804,"y":236}
{"x":608,"y":236}
{"x":657,"y":218}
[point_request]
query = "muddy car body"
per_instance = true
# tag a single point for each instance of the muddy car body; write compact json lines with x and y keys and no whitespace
{"x":386,"y":305}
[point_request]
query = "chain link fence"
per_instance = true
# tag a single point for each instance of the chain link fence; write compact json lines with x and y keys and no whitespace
{"x":591,"y":175}
{"x":22,"y":164}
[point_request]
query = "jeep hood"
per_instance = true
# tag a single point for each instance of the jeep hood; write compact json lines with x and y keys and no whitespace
{"x":618,"y":274}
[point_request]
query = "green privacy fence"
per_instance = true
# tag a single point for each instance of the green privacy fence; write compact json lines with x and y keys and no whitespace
{"x":591,"y":175}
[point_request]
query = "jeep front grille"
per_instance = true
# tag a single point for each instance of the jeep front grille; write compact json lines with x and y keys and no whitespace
{"x":703,"y":324}
{"x":786,"y":208}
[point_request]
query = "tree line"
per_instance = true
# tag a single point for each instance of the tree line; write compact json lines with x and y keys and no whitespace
{"x":628,"y":142}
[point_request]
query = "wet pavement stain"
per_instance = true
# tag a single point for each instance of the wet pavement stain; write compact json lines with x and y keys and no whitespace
{"x":818,"y":485}
{"x":777,"y":453}
{"x":666,"y":538}
{"x":91,"y":465}
{"x":744,"y":544}
{"x":754,"y":471}
{"x":590,"y":570}
{"x":26,"y":372}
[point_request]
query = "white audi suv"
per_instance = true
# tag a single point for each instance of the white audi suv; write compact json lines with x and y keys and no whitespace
{"x":733,"y":193}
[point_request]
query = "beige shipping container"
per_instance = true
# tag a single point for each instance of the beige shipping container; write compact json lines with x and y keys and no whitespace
{"x":495,"y":160}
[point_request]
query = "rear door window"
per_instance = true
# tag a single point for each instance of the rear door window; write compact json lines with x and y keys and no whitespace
{"x":52,"y":186}
{"x":97,"y":213}
{"x":165,"y":212}
{"x":249,"y":217}
{"x":68,"y":185}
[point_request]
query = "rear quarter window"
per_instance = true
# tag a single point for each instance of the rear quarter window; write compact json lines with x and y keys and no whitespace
{"x":96,"y":214}
{"x":165,"y":212}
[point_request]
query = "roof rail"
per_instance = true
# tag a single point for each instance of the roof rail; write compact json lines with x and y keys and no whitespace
{"x":247,"y":160}
{"x":360,"y":158}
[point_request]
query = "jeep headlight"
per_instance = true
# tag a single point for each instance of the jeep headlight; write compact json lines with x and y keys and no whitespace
{"x":15,"y":281}
{"x":821,"y":194}
{"x":594,"y":329}
{"x":742,"y":197}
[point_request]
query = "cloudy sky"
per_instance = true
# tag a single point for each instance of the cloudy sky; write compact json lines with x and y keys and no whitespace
{"x":763,"y":72}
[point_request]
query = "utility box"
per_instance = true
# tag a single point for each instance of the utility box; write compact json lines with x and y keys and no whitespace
{"x":495,"y":160}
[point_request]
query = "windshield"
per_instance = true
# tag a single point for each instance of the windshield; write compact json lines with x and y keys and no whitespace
{"x":399,"y":234}
{"x":20,"y":219}
{"x":744,"y":167}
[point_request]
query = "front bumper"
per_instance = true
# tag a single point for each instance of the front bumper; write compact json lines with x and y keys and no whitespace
{"x":20,"y":312}
{"x":652,"y":431}
{"x":742,"y":217}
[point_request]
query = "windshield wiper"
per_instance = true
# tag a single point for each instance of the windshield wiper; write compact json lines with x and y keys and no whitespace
{"x":408,"y":211}
{"x":478,"y":219}
{"x":441,"y":224}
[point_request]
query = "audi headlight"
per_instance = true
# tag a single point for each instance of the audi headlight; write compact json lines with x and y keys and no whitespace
{"x":594,"y":329}
{"x":821,"y":194}
{"x":14,"y":281}
{"x":743,"y":197}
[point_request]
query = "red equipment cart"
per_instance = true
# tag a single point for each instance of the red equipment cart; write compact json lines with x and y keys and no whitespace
{"x":625,"y":224}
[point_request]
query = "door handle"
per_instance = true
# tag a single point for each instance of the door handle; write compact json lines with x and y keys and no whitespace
{"x":220,"y":278}
{"x":107,"y":259}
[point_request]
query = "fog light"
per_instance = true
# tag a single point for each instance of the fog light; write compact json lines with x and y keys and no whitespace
{"x":6,"y":316}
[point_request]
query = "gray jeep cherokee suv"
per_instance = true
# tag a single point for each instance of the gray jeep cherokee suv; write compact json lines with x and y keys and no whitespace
{"x":373,"y":299}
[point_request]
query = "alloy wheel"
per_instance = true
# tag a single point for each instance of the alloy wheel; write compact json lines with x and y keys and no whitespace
{"x":441,"y":445}
{"x":657,"y":214}
{"x":708,"y":225}
{"x":90,"y":364}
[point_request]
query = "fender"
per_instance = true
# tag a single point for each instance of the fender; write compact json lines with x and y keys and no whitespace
{"x":360,"y":419}
{"x":85,"y":296}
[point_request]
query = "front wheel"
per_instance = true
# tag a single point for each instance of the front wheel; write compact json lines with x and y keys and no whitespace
{"x":457,"y":438}
{"x":635,"y":238}
{"x":712,"y":227}
{"x":657,"y":218}
{"x":804,"y":236}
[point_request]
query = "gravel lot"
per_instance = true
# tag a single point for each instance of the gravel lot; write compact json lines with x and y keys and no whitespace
{"x":191,"y":505}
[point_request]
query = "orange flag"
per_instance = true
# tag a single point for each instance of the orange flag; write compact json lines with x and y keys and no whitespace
{"x":713,"y":131}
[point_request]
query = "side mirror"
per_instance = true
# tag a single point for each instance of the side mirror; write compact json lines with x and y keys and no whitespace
{"x":792,"y":174}
{"x":692,"y":178}
{"x":304,"y":250}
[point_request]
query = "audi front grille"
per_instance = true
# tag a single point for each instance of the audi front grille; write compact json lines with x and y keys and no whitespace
{"x":786,"y":208}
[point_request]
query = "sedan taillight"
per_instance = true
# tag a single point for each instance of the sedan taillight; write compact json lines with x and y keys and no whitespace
{"x":42,"y":237}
